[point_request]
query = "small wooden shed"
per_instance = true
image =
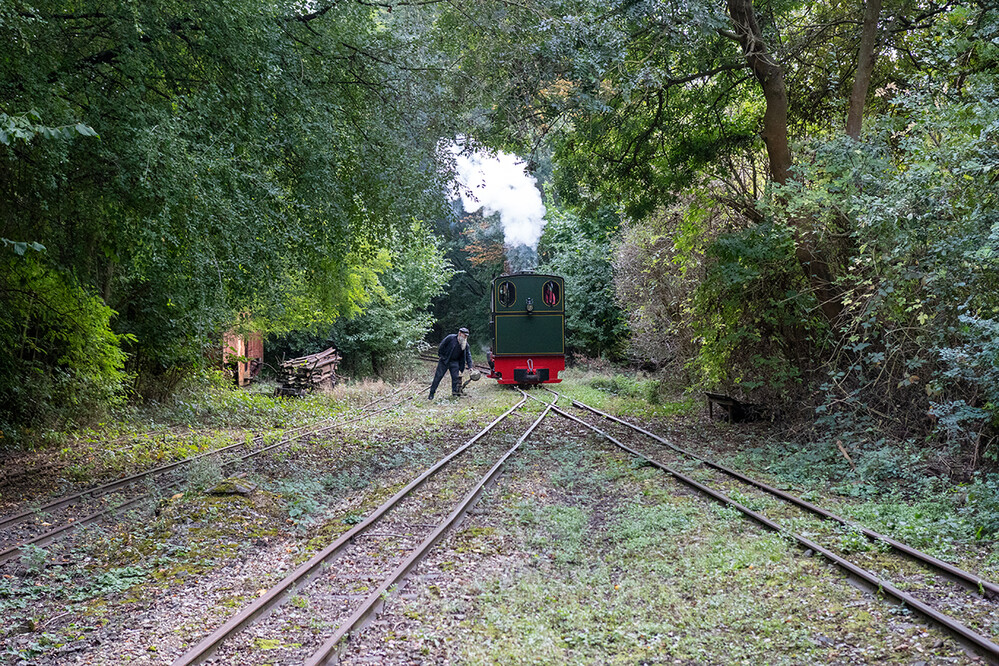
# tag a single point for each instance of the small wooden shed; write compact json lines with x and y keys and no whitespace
{"x":243,"y":354}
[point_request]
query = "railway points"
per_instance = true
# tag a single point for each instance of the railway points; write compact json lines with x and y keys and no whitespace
{"x":337,"y":609}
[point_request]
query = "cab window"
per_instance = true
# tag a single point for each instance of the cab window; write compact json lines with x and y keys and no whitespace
{"x":551,"y":294}
{"x":507,"y":294}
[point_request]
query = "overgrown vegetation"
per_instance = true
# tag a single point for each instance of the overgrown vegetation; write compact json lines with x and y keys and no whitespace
{"x":619,"y":566}
{"x":580,"y":552}
{"x":850,"y":272}
{"x":165,"y":170}
{"x":62,"y":359}
{"x":773,"y":200}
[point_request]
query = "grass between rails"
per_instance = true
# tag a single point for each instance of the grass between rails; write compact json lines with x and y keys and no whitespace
{"x":195,"y":422}
{"x":640,"y":570}
{"x":585,"y":557}
{"x":72,"y":594}
{"x":885,"y":488}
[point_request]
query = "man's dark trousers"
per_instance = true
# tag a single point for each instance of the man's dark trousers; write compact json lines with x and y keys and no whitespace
{"x":443,"y":367}
{"x":451,"y":356}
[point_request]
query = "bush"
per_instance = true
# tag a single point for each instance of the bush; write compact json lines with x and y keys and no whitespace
{"x":649,"y":390}
{"x":918,"y":263}
{"x":754,"y":314}
{"x":982,"y":507}
{"x":62,"y":363}
{"x":580,"y":249}
{"x":718,"y":299}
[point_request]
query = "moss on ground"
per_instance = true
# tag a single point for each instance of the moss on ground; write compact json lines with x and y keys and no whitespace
{"x":605,"y":561}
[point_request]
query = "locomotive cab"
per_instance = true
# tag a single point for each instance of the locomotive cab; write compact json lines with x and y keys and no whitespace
{"x":527,"y":321}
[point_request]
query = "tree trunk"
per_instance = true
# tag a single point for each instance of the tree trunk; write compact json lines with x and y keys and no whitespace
{"x":865,"y":68}
{"x":771,"y":78}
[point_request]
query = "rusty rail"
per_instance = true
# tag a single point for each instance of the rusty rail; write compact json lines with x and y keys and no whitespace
{"x":306,"y":571}
{"x":330,"y":648}
{"x":977,"y":642}
{"x":55,"y":533}
{"x":100,"y":491}
{"x":969,"y":579}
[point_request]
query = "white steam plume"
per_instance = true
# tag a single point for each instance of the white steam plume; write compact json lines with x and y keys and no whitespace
{"x":500,"y":184}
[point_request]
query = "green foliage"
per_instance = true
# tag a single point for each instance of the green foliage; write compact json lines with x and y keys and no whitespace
{"x":398,"y":315}
{"x":252,"y":157}
{"x":725,"y":305}
{"x":394,"y":315}
{"x":302,"y":497}
{"x":580,"y":248}
{"x":614,"y":89}
{"x":208,"y":399}
{"x":649,"y":390}
{"x":204,"y":472}
{"x":109,"y":582}
{"x":62,"y":362}
{"x":752,"y":313}
{"x":640,"y":527}
{"x":343,"y":482}
{"x":913,"y":229}
{"x":473,"y":244}
{"x":25,"y":126}
{"x":905,"y":222}
{"x":33,"y":558}
{"x":982,"y":507}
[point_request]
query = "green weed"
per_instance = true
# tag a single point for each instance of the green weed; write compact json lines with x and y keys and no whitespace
{"x":33,"y":558}
{"x":303,"y":497}
{"x":204,"y":472}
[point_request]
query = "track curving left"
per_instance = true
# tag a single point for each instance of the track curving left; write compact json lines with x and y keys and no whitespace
{"x":49,"y":522}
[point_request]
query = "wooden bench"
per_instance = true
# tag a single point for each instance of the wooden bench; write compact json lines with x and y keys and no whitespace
{"x":735,"y":411}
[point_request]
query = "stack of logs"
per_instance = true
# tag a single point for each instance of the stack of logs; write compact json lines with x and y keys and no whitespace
{"x":299,"y":376}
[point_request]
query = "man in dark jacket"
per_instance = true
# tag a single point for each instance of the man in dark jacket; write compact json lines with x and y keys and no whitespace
{"x":453,"y":355}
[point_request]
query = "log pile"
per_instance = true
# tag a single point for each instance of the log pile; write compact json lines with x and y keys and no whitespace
{"x":302,"y":375}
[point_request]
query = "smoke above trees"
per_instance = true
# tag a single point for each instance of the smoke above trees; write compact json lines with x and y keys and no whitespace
{"x":499,"y":184}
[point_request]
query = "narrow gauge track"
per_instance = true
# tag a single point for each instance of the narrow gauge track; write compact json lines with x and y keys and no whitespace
{"x":971,"y":639}
{"x":27,"y":527}
{"x":354,"y":545}
{"x":970,"y":580}
{"x":10,"y":477}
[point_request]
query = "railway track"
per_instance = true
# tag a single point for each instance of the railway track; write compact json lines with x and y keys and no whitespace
{"x":42,"y":525}
{"x":310,"y":616}
{"x":342,"y":586}
{"x":977,"y":607}
{"x":10,"y":477}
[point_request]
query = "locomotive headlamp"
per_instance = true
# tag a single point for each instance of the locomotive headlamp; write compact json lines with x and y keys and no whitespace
{"x":530,"y":305}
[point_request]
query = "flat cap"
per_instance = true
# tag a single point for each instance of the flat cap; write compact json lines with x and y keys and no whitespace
{"x":463,"y":330}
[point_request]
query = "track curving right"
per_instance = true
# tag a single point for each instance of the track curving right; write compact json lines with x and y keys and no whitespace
{"x":970,"y":580}
{"x":971,"y":639}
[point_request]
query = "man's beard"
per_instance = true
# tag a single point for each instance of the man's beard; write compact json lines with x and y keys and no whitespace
{"x":463,"y":341}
